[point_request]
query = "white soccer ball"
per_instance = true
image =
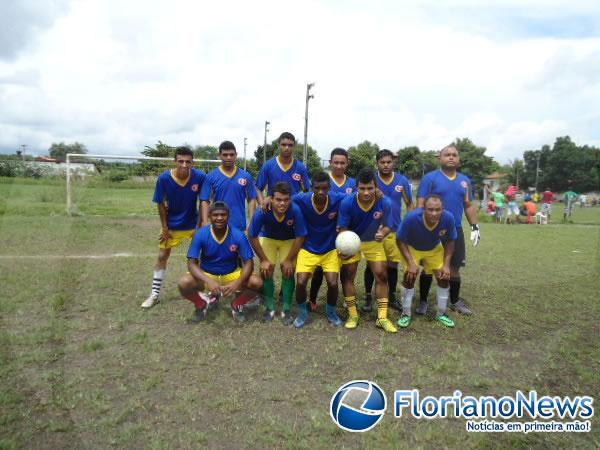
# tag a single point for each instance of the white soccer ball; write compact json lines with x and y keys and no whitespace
{"x":348,"y":243}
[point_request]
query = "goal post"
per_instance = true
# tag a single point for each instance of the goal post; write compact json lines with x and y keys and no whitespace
{"x":114,"y":171}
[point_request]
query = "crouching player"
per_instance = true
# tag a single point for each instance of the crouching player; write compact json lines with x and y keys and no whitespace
{"x":319,"y":209}
{"x":282,"y":232}
{"x":370,"y":218}
{"x":420,"y":239}
{"x":217,"y":248}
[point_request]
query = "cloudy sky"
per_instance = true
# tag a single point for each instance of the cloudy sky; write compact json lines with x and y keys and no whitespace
{"x":118,"y":75}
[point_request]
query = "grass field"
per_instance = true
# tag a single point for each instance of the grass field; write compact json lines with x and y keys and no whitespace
{"x":82,"y":366}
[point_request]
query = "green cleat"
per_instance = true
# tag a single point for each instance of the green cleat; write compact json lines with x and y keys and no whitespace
{"x":387,"y":325}
{"x":404,"y":321}
{"x":351,"y":323}
{"x":445,"y":320}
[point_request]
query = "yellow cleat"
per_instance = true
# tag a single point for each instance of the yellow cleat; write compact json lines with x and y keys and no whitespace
{"x":387,"y":325}
{"x":351,"y":323}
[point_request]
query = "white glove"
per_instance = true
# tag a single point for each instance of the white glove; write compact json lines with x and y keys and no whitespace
{"x":475,"y":234}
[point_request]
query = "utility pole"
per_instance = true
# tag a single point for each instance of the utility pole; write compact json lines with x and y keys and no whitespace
{"x":267,"y":123}
{"x":23,"y":148}
{"x":308,"y":97}
{"x":245,"y":159}
{"x":537,"y":170}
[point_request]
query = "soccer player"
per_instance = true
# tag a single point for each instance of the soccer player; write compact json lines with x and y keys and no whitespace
{"x":370,"y":218}
{"x":282,"y":232}
{"x":396,"y":187}
{"x":213,"y":264}
{"x":319,"y":209}
{"x":230,"y":184}
{"x":283,"y":167}
{"x":176,"y":195}
{"x":569,"y":199}
{"x":499,"y":199}
{"x":419,"y":241}
{"x":340,"y":182}
{"x":547,"y":199}
{"x":456,"y":191}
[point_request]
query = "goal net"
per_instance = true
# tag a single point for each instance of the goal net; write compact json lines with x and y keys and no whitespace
{"x":117,"y":185}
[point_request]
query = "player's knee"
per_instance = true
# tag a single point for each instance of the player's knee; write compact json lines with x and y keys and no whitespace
{"x":185,"y":284}
{"x":381,"y":276}
{"x":255,"y":283}
{"x":442,"y":283}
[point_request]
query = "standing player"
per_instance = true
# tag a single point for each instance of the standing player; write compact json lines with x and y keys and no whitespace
{"x":456,"y":192}
{"x":176,"y":194}
{"x":569,"y":198}
{"x":370,"y":218}
{"x":342,"y":183}
{"x":397,"y":189}
{"x":547,"y":199}
{"x":283,"y":167}
{"x":230,"y":184}
{"x":420,"y":242}
{"x":319,"y":209}
{"x":213,"y":264}
{"x":282,"y":232}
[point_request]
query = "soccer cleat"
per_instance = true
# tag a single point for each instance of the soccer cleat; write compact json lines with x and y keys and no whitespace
{"x":151,"y":301}
{"x":445,"y":320}
{"x":238,"y":316}
{"x":268,"y":315}
{"x":199,"y":315}
{"x":286,"y":318}
{"x":422,"y":308}
{"x":352,"y":322}
{"x":212,"y":300}
{"x":368,"y":306}
{"x":404,"y":321}
{"x":302,"y":316}
{"x":332,"y":316}
{"x":387,"y":325}
{"x":313,"y":305}
{"x":461,"y":307}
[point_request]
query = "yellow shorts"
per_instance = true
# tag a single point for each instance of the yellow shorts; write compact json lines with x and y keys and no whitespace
{"x":276,"y":250}
{"x":430,"y":259}
{"x":176,"y":237}
{"x":392,"y":251}
{"x":307,"y":262}
{"x":370,"y":250}
{"x":226,"y":278}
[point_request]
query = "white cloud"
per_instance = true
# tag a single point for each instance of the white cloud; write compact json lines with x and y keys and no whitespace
{"x":121,"y":75}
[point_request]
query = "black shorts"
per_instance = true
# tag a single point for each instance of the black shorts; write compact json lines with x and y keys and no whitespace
{"x":459,"y":258}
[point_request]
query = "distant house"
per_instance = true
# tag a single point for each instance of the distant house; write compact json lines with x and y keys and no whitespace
{"x":495,"y":180}
{"x":46,"y":159}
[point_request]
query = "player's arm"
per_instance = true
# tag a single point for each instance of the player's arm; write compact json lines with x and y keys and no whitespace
{"x":471,"y":213}
{"x":251,"y":209}
{"x":165,"y":234}
{"x":407,"y":196}
{"x":205,"y":206}
{"x":413,"y":268}
{"x":448,"y":252}
{"x":382,"y":233}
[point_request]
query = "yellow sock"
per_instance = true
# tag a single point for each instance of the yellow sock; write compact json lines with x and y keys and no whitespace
{"x":351,"y":302}
{"x":382,"y":307}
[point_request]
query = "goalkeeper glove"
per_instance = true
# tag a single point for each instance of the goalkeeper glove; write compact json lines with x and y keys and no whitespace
{"x":475,"y":234}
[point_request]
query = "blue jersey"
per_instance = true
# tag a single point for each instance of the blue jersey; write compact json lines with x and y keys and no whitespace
{"x":219,"y":257}
{"x":364,"y":222}
{"x":347,"y":187}
{"x":266,"y":224}
{"x":453,"y":191}
{"x":232,"y":189}
{"x":398,"y":189}
{"x":181,"y":197}
{"x":321,"y":226}
{"x":415,"y":232}
{"x":272,"y":172}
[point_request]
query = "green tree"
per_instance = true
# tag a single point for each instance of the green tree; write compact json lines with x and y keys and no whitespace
{"x":206,"y":152}
{"x":60,"y":150}
{"x":409,"y":162}
{"x":515,"y":169}
{"x":314,"y":161}
{"x":361,"y":155}
{"x":160,"y":150}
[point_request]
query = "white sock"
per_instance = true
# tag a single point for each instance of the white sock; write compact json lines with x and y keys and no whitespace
{"x":442,"y":300}
{"x":157,"y":280}
{"x":407,"y":301}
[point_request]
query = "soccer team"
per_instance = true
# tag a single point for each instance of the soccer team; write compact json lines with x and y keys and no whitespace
{"x":294,"y":224}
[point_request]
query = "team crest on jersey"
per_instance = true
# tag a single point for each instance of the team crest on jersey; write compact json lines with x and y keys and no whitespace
{"x":398,"y":188}
{"x":463,"y":184}
{"x":296,"y":176}
{"x":233,"y":248}
{"x":290,"y":222}
{"x":377,"y":215}
{"x":348,"y":190}
{"x":195,"y":187}
{"x":243,"y":181}
{"x":332,"y":215}
{"x":442,"y":233}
